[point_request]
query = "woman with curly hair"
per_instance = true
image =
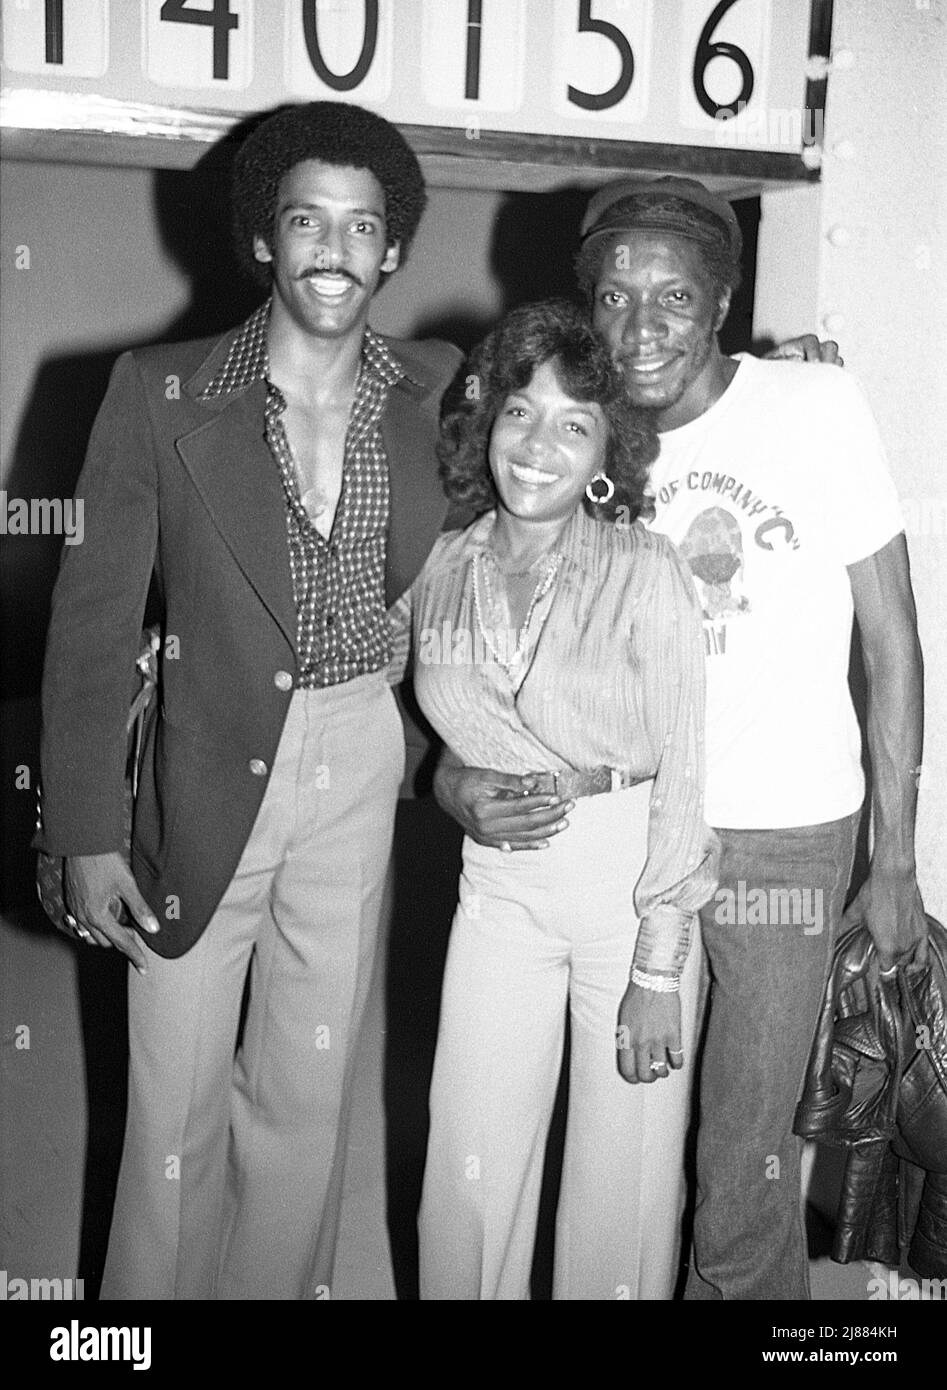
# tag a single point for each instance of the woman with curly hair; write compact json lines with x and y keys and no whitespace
{"x":557,"y":637}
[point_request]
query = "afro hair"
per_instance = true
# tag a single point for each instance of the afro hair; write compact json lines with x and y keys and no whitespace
{"x":334,"y":132}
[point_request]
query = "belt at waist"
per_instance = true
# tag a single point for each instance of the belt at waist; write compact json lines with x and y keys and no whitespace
{"x":570,"y":783}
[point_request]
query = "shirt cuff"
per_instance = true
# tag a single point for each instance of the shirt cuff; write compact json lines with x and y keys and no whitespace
{"x":664,"y":939}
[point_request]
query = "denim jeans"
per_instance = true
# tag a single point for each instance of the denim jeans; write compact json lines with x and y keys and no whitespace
{"x":768,"y":933}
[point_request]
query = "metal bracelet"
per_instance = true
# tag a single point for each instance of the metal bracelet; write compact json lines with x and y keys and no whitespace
{"x":661,"y":984}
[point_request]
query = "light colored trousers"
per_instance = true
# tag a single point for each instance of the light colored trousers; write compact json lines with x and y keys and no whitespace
{"x":533,"y":930}
{"x":231,"y":1176}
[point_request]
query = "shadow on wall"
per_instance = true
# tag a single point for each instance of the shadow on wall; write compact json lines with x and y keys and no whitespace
{"x":535,"y":241}
{"x":68,"y":390}
{"x":47,"y":459}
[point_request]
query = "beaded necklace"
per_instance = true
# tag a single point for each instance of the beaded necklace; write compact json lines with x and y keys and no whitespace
{"x":546,"y":581}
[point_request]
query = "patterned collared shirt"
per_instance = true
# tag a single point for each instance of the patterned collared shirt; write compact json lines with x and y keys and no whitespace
{"x":339,"y":583}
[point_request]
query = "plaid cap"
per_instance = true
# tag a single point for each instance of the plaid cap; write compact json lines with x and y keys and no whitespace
{"x":636,"y":204}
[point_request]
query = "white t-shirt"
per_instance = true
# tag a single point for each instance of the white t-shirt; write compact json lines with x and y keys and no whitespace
{"x":769,"y":495}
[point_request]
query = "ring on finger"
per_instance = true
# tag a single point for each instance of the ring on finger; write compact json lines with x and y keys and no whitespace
{"x":676,"y":1052}
{"x":506,"y":847}
{"x":658,"y":1066}
{"x":84,"y":934}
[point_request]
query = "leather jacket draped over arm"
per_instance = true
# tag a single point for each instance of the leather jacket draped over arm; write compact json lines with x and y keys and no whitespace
{"x":876,"y":1084}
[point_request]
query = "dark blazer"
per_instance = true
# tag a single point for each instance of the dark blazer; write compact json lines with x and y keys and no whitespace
{"x":188,"y":490}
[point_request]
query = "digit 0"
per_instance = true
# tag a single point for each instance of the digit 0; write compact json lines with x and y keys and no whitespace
{"x":345,"y":81}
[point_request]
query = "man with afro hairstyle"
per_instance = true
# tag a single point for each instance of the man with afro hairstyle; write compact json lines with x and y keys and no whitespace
{"x":280,"y":483}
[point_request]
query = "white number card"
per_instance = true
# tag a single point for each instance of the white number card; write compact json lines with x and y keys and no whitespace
{"x":723,"y":60}
{"x":198,"y":45}
{"x":339,"y":50}
{"x":473,"y":51}
{"x":59,"y":38}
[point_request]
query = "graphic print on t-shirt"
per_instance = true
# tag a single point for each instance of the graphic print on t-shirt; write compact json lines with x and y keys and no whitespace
{"x":714,"y":546}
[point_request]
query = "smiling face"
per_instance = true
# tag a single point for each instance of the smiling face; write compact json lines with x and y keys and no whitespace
{"x":328,"y":247}
{"x":656,"y":308}
{"x":544,"y":448}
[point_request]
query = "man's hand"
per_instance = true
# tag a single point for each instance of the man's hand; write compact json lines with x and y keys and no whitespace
{"x":808,"y":348}
{"x":889,"y":905}
{"x":92,"y":883}
{"x":496,"y":808}
{"x":649,"y":1030}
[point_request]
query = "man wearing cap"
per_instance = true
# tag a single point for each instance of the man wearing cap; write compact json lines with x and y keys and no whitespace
{"x":773,"y":482}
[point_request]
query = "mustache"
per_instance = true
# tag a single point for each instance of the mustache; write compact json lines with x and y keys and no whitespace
{"x":324,"y":270}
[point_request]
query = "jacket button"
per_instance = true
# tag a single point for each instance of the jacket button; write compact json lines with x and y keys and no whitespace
{"x":283,"y":680}
{"x":258,"y":767}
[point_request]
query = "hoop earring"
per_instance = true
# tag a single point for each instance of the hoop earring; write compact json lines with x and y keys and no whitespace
{"x":609,"y":489}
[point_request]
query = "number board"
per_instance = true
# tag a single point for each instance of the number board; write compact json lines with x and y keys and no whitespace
{"x":723,"y":82}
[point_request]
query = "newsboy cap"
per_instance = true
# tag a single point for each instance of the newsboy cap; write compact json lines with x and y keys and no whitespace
{"x":636,"y":204}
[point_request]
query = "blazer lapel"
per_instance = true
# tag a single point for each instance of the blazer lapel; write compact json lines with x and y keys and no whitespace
{"x":232,"y":468}
{"x":417,"y":502}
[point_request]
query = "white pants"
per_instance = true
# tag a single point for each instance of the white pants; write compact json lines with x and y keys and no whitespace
{"x":533,"y":930}
{"x":231,"y":1178}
